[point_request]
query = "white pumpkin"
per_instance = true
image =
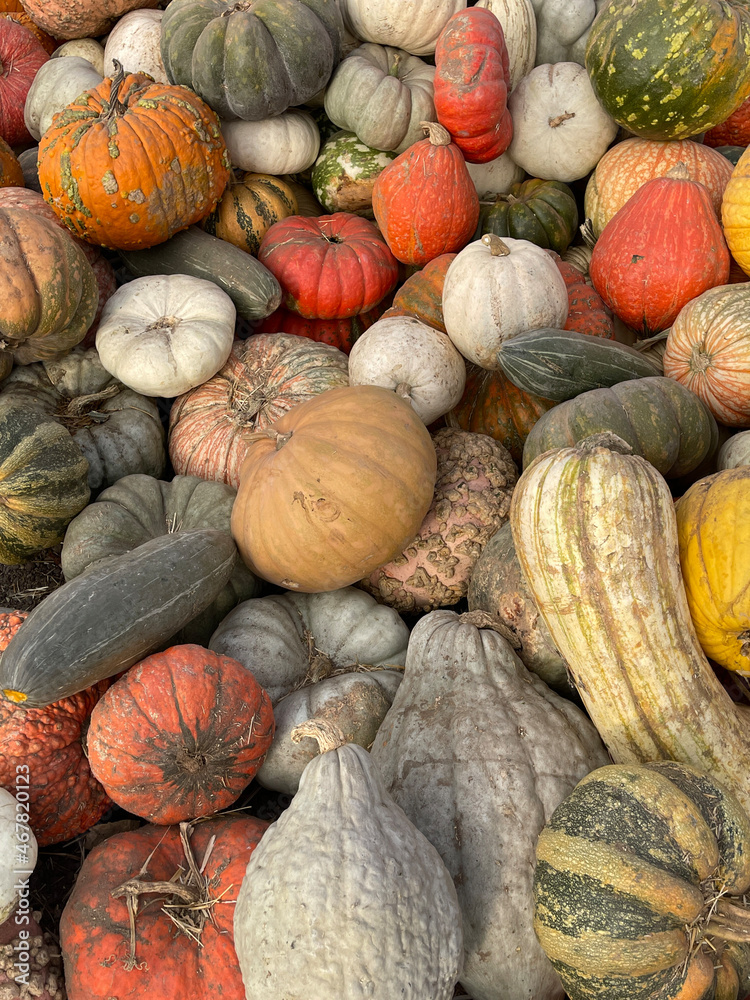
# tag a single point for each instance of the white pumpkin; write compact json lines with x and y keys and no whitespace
{"x":496,"y":289}
{"x":562,"y":29}
{"x":18,"y":850}
{"x":283,"y":639}
{"x":382,"y":94}
{"x":135,"y":41}
{"x":87,"y":48}
{"x":519,"y":27}
{"x":285,"y":144}
{"x":56,"y":84}
{"x":560,"y":130}
{"x":166,"y":333}
{"x":495,"y":177}
{"x":418,"y":362}
{"x":413,"y":27}
{"x":734,"y":452}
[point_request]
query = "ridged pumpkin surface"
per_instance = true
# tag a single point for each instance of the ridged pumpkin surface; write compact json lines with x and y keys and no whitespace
{"x":421,"y":295}
{"x":735,"y":212}
{"x":248,"y":208}
{"x":335,"y":488}
{"x":132,"y":162}
{"x":341,"y":333}
{"x":586,"y":310}
{"x":627,"y":875}
{"x":713,"y":525}
{"x":708,"y":351}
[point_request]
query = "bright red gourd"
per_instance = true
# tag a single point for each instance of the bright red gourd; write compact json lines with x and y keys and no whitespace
{"x":472,"y":79}
{"x":425,"y":202}
{"x":180,"y":735}
{"x":329,"y":267}
{"x":21,"y":55}
{"x":662,"y":248}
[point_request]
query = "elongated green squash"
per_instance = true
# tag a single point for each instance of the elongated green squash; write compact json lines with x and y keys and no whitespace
{"x":107,"y":619}
{"x":596,"y":535}
{"x":561,"y":364}
{"x":251,"y":286}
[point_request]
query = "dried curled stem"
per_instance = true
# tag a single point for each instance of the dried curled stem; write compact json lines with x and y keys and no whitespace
{"x":328,"y":736}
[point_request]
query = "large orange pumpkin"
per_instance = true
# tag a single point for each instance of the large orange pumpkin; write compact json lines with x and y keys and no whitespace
{"x":335,"y":488}
{"x":132,"y":162}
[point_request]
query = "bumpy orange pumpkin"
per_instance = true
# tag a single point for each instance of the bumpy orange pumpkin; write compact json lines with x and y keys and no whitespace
{"x":132,"y":162}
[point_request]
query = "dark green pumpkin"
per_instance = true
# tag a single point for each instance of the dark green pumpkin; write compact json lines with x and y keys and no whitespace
{"x":561,"y":364}
{"x":672,"y":69}
{"x":732,"y":153}
{"x":114,"y":615}
{"x":639,"y":875}
{"x":659,"y":418}
{"x":251,"y":60}
{"x":251,"y":286}
{"x":43,"y":482}
{"x":542,"y":212}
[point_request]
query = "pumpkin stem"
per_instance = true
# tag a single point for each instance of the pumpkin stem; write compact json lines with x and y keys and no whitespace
{"x":745,"y":647}
{"x":496,"y":245}
{"x":328,"y":736}
{"x":435,"y":132}
{"x":82,"y":404}
{"x":699,"y":360}
{"x":403,"y":389}
{"x":116,"y":107}
{"x":483,"y":619}
{"x":729,"y":922}
{"x":559,"y":119}
{"x":587,"y":233}
{"x":679,"y":172}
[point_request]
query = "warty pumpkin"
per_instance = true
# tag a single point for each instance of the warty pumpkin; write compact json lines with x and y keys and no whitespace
{"x":248,"y":208}
{"x":97,"y":163}
{"x":333,"y":489}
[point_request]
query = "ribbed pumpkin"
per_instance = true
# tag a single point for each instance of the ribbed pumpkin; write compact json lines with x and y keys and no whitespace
{"x":421,"y":295}
{"x":329,"y":267}
{"x":735,"y":451}
{"x":341,"y":333}
{"x":21,"y":55}
{"x":586,"y":310}
{"x":65,"y":799}
{"x":638,"y":882}
{"x":542,"y":212}
{"x":713,"y":525}
{"x":627,"y":165}
{"x":265,"y":376}
{"x":735,"y":131}
{"x":734,"y":212}
{"x":425,"y":202}
{"x":335,"y":488}
{"x":472,"y":81}
{"x":708,"y":351}
{"x":248,"y":208}
{"x":663,"y":247}
{"x":180,"y":735}
{"x":123,"y":942}
{"x":11,"y":171}
{"x":112,"y":182}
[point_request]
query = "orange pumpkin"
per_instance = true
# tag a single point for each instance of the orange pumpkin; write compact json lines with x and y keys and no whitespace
{"x":132,"y":162}
{"x":421,"y":295}
{"x":425,"y":201}
{"x":11,"y":172}
{"x":586,"y":310}
{"x":335,"y":488}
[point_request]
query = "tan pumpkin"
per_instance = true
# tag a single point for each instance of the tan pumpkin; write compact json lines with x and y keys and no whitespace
{"x":87,"y":18}
{"x":248,"y":208}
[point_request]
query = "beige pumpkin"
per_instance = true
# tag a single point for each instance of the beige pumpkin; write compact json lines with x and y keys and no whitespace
{"x":86,"y":48}
{"x":495,"y":177}
{"x":135,"y":42}
{"x":285,"y":144}
{"x":518,"y":20}
{"x":734,"y":452}
{"x":495,"y":289}
{"x":560,"y":131}
{"x":86,"y":18}
{"x":56,"y":85}
{"x":386,"y":22}
{"x":418,"y":362}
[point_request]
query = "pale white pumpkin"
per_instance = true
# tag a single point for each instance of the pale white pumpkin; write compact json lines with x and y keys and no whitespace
{"x":418,"y":362}
{"x":56,"y":85}
{"x":382,"y":94}
{"x":413,"y":27}
{"x":285,"y":144}
{"x":87,"y":48}
{"x":495,"y":177}
{"x":18,"y":850}
{"x":519,"y":27}
{"x":135,"y":41}
{"x":496,"y":289}
{"x":560,"y":130}
{"x":734,"y":452}
{"x":166,"y":333}
{"x":562,"y":29}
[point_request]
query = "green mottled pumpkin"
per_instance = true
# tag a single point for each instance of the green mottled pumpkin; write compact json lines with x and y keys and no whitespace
{"x":345,"y":173}
{"x":637,"y":882}
{"x":673,"y":69}
{"x":248,"y":208}
{"x":542,"y":212}
{"x":43,"y":482}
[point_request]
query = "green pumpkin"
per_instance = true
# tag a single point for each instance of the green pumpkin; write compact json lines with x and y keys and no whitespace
{"x":345,"y":173}
{"x":542,"y":212}
{"x":673,"y":69}
{"x":732,"y":153}
{"x":251,"y":60}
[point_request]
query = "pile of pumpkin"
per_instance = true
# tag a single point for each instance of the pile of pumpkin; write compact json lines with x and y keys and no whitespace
{"x":406,"y":548}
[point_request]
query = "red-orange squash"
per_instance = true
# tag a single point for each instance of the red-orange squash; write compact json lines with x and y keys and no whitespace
{"x":335,"y":488}
{"x":21,"y":55}
{"x":663,"y":247}
{"x":341,"y":333}
{"x":425,"y":202}
{"x":735,"y":131}
{"x":65,"y":799}
{"x":180,"y":734}
{"x":116,"y":944}
{"x":586,"y":310}
{"x":421,"y":295}
{"x":132,"y":162}
{"x":11,"y":171}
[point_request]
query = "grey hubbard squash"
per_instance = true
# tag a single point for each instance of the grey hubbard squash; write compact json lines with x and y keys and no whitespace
{"x":344,"y":897}
{"x":478,"y":752}
{"x":615,"y":605}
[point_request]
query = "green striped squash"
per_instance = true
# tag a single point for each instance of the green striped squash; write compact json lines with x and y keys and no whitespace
{"x":43,"y":482}
{"x":542,"y":212}
{"x":671,"y":69}
{"x":345,"y":172}
{"x":638,"y":879}
{"x":561,"y":364}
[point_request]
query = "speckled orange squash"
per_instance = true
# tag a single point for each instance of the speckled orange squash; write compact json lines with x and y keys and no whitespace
{"x":132,"y":162}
